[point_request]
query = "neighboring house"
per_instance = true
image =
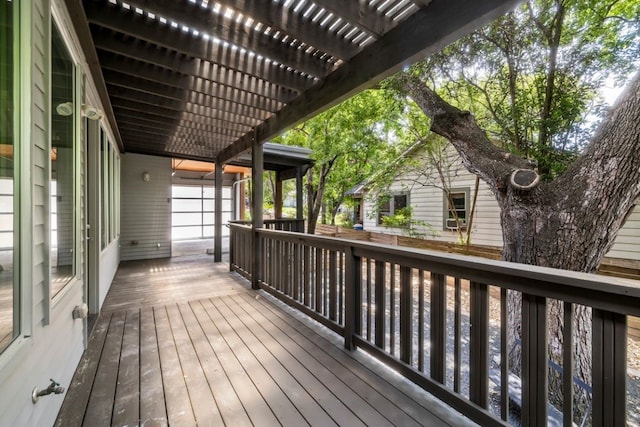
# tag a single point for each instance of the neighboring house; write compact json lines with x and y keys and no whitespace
{"x":420,"y":188}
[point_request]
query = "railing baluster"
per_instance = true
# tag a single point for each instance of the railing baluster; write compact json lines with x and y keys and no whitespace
{"x":380,"y":294}
{"x":306,"y":299}
{"x":392,"y":311}
{"x":567,"y":365}
{"x":318,"y":282}
{"x":534,"y":360}
{"x":457,"y":322}
{"x":421,"y":320}
{"x":333,"y":285}
{"x":479,"y":344}
{"x":368,"y":299}
{"x":438,"y":327}
{"x":341,"y":289}
{"x":406,"y":314}
{"x":609,"y":368}
{"x":296,"y":272}
{"x":504,"y":355}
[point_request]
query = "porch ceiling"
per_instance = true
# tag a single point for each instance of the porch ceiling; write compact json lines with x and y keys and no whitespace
{"x":201,"y":79}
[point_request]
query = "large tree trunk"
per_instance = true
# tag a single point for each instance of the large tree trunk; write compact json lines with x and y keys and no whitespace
{"x":568,"y":223}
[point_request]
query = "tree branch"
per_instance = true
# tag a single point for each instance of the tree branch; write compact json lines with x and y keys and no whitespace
{"x":478,"y":153}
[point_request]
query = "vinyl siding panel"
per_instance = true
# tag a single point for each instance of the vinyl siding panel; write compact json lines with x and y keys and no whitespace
{"x":146,"y":207}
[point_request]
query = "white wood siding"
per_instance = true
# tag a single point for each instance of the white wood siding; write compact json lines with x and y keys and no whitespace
{"x":146,"y":207}
{"x":52,"y":342}
{"x":427,"y":202}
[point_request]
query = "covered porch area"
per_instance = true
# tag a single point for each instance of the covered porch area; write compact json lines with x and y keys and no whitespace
{"x":184,"y":342}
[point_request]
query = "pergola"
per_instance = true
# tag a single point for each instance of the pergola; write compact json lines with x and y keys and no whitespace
{"x":207,"y":79}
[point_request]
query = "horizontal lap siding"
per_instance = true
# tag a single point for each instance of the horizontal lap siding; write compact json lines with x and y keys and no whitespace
{"x":427,"y":202}
{"x":627,"y":243}
{"x":146,"y":207}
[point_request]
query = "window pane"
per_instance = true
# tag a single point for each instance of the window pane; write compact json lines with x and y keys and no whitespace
{"x":62,"y":162}
{"x":186,"y":205}
{"x":400,"y":201}
{"x":103,"y":200}
{"x":384,"y":208}
{"x":178,"y":233}
{"x":9,"y":308}
{"x":188,"y":191}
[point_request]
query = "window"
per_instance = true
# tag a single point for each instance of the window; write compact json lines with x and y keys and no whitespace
{"x":62,"y":157}
{"x":193,"y":211}
{"x":109,"y":191}
{"x":456,"y":203}
{"x":9,"y":231}
{"x":390,"y":205}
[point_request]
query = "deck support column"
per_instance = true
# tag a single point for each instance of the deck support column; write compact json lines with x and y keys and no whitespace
{"x":299,"y":200}
{"x":217,"y":239}
{"x":257,"y":220}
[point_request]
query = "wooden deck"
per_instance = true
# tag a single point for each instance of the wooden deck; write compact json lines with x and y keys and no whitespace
{"x":183,"y":342}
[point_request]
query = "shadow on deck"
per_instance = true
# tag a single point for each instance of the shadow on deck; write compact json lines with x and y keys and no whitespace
{"x":184,"y":342}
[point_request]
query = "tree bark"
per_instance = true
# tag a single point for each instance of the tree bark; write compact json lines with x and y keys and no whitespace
{"x":568,"y":223}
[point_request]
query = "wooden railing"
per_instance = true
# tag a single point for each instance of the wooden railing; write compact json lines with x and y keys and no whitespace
{"x":441,"y":321}
{"x":285,"y":224}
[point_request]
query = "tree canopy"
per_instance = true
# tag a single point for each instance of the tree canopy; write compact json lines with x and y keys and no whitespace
{"x":532,"y":78}
{"x":348,"y":141}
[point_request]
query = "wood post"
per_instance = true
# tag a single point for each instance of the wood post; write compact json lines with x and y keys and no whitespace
{"x":217,"y":239}
{"x":257,"y":219}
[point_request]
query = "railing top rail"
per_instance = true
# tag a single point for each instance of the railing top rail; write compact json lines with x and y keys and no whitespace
{"x":268,"y":221}
{"x":604,"y":292}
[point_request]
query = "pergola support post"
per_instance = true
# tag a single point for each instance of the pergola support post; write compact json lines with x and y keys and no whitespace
{"x":257,"y":219}
{"x":217,"y":239}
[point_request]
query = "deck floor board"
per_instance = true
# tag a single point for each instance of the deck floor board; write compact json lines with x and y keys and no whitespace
{"x":186,"y":343}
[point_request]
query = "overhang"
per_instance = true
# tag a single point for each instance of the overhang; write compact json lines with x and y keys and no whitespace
{"x":204,"y":79}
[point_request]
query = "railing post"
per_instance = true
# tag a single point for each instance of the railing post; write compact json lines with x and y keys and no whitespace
{"x":479,"y":344}
{"x":534,"y":360}
{"x":232,"y":244}
{"x":609,"y":368}
{"x":352,"y":291}
{"x":406,"y":315}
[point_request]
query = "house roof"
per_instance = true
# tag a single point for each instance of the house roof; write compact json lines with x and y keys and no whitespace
{"x":203,"y":79}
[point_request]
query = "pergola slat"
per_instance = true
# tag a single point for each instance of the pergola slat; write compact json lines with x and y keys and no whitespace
{"x":281,"y":86}
{"x":152,"y":80}
{"x":194,"y":17}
